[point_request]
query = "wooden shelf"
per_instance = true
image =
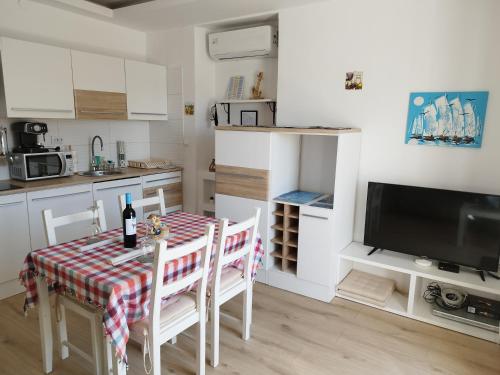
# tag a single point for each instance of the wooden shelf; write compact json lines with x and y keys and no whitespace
{"x":277,"y":240}
{"x":245,"y":101}
{"x":285,"y":246}
{"x":277,"y":254}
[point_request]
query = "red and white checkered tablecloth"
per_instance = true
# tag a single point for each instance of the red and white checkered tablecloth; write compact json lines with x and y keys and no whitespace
{"x":122,"y":291}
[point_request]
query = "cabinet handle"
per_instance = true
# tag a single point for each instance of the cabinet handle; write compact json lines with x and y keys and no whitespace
{"x":149,"y":113}
{"x":61,"y":196}
{"x":102,"y":112}
{"x":11,"y":204}
{"x":41,"y":109}
{"x":315,"y":217}
{"x":119,"y":186}
{"x":163,"y":179}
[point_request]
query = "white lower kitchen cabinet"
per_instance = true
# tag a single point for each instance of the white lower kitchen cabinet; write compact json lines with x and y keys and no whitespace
{"x":109,"y":193}
{"x":316,"y":245}
{"x":62,"y":201}
{"x":15,"y":241}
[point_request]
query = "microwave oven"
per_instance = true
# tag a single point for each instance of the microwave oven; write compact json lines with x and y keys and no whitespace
{"x":39,"y":166}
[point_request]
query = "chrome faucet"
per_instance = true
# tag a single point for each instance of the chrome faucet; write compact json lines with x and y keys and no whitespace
{"x":93,"y":164}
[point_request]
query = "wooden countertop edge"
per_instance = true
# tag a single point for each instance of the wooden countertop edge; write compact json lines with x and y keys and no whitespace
{"x":62,"y":182}
{"x":278,"y":129}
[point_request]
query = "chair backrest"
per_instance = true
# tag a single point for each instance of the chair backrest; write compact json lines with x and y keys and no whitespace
{"x":163,"y":256}
{"x":159,"y":200}
{"x":51,"y":222}
{"x":246,"y":251}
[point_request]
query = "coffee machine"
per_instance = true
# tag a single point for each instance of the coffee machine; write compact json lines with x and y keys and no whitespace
{"x":26,"y":135}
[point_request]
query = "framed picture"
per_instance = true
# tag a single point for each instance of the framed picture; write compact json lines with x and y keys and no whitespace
{"x":249,"y":118}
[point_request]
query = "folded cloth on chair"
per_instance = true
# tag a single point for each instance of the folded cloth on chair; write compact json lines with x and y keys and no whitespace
{"x":374,"y":289}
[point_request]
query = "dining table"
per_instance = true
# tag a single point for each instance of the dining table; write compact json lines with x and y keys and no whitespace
{"x":121,"y":292}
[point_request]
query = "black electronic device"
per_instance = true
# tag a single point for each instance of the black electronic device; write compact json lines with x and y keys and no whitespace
{"x":455,"y":227}
{"x":449,"y":267}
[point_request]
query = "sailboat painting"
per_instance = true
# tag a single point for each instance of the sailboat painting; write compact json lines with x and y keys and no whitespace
{"x":446,"y":118}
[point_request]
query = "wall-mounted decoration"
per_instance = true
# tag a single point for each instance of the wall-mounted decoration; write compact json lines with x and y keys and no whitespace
{"x":249,"y":118}
{"x":235,"y":88}
{"x":354,"y":81}
{"x":256,"y":91}
{"x":446,"y":118}
{"x":189,"y":109}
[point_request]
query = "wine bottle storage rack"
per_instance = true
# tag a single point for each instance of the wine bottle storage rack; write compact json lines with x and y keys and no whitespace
{"x":286,"y":234}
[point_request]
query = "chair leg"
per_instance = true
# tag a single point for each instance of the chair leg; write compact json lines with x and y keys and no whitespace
{"x":247,"y":313}
{"x":200,"y":345}
{"x":107,"y":355}
{"x":214,"y":333}
{"x":96,"y":338}
{"x":155,"y":354}
{"x":62,"y":330}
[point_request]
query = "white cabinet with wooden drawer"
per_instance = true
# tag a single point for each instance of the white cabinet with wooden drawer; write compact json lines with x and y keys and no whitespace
{"x":15,"y":241}
{"x":316,"y":245}
{"x":171,"y":183}
{"x":99,"y":84}
{"x":109,"y":193}
{"x":37,"y":80}
{"x":146,"y":91}
{"x":62,"y":201}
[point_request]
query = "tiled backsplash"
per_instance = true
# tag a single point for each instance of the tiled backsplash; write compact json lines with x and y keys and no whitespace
{"x":79,"y":133}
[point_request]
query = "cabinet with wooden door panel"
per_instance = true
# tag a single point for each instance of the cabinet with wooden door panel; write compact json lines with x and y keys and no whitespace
{"x":99,"y":86}
{"x":171,"y":183}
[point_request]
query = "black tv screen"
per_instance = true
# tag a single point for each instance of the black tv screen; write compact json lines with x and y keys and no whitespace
{"x":450,"y":226}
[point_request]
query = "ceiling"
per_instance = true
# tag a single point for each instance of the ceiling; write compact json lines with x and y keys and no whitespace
{"x":115,"y":4}
{"x":153,"y":15}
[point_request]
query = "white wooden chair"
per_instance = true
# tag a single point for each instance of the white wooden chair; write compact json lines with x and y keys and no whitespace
{"x":229,"y":282}
{"x":187,"y":310}
{"x":159,"y":200}
{"x":63,"y":302}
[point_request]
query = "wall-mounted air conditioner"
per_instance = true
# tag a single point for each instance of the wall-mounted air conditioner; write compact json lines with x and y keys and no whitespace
{"x":261,"y":41}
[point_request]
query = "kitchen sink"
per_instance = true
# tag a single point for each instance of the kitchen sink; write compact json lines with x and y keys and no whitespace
{"x":99,"y":173}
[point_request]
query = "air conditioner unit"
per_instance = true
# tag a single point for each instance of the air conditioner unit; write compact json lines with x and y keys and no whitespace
{"x":261,"y":41}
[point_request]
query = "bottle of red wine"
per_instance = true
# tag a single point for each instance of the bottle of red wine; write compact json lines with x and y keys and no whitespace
{"x":129,"y":224}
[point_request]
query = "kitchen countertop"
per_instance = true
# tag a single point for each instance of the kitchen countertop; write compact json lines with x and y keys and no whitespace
{"x":289,"y":130}
{"x":53,"y":183}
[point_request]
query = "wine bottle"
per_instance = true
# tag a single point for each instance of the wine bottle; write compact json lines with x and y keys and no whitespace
{"x":129,"y":224}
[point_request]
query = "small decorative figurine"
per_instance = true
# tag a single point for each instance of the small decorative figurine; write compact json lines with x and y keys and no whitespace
{"x":157,"y":229}
{"x":256,"y":91}
{"x":211,"y":167}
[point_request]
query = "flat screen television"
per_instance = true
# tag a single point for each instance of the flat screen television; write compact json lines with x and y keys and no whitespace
{"x":450,"y":226}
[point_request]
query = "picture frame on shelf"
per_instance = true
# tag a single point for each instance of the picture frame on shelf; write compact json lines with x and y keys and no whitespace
{"x":249,"y":118}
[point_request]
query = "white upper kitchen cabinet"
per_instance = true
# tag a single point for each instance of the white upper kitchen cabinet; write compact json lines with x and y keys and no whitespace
{"x":146,"y":91}
{"x":37,"y":79}
{"x":98,"y":72}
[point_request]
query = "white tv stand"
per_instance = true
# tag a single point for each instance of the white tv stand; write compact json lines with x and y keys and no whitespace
{"x":411,"y":282}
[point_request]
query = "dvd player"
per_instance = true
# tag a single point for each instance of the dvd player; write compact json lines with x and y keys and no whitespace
{"x":462,"y":316}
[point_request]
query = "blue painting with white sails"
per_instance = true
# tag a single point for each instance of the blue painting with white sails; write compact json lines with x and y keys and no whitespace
{"x":446,"y":118}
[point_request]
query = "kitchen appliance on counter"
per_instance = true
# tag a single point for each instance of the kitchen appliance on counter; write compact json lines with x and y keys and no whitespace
{"x":4,"y":147}
{"x":122,"y":157}
{"x":31,"y":160}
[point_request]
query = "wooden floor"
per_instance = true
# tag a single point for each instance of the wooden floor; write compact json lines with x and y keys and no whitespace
{"x":291,"y":335}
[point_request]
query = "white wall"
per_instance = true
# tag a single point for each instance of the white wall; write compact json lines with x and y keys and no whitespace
{"x":37,"y":22}
{"x":402,"y":46}
{"x":248,"y":68}
{"x":41,"y":23}
{"x":175,"y":48}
